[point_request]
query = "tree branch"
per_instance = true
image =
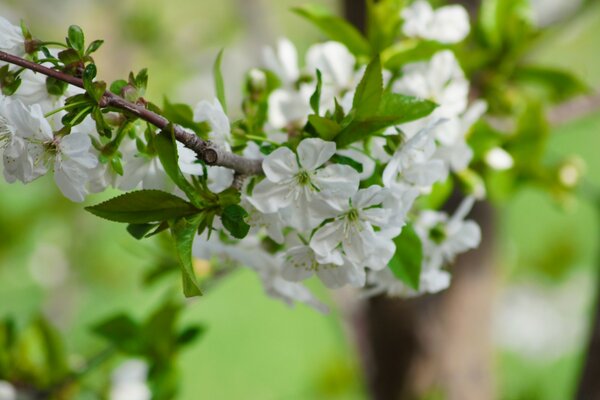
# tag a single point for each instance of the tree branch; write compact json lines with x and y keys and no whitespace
{"x":206,"y":150}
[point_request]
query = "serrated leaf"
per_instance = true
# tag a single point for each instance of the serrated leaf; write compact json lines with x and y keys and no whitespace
{"x":406,"y":263}
{"x":369,"y":91}
{"x":76,"y":38}
{"x":404,"y":108}
{"x":219,"y":85}
{"x":143,"y":206}
{"x":336,"y":28}
{"x":234,"y":220}
{"x":184,"y":231}
{"x":167,"y":153}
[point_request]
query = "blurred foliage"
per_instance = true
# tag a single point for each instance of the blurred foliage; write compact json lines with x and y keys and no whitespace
{"x":300,"y":354}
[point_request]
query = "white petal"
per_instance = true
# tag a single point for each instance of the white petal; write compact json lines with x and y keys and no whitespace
{"x":336,"y":181}
{"x":280,"y":165}
{"x":313,"y":153}
{"x":269,"y":197}
{"x":325,"y":242}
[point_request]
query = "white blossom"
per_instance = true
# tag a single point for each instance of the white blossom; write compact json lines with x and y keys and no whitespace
{"x":11,"y":38}
{"x":248,"y":253}
{"x":413,"y":163}
{"x":129,"y":381}
{"x":289,"y":108}
{"x":499,"y":159}
{"x":33,"y":149}
{"x":283,"y":61}
{"x":352,"y":232}
{"x":440,"y":80}
{"x":444,"y":237}
{"x":213,"y":114}
{"x":303,"y":183}
{"x":449,"y":24}
{"x":301,"y":263}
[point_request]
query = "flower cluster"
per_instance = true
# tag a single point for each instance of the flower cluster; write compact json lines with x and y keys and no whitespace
{"x":342,"y":176}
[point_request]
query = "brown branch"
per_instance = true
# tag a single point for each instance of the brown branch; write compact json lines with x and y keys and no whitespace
{"x":574,"y":109}
{"x":206,"y":150}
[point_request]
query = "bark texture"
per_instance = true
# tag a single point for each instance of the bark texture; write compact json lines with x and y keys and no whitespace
{"x":442,"y":342}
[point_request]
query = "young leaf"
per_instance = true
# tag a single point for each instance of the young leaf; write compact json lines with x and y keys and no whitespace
{"x":315,"y":99}
{"x":325,"y":128}
{"x":336,"y":28}
{"x":117,"y":86}
{"x":406,"y":263}
{"x":184,"y":231}
{"x":233,"y":219}
{"x":167,"y":153}
{"x":94,"y":46}
{"x":219,"y":85}
{"x":369,"y":91}
{"x":358,"y":130}
{"x":142,"y":207}
{"x":76,"y":39}
{"x":404,"y":108}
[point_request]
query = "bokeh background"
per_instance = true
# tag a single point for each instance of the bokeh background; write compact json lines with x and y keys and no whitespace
{"x":76,"y":268}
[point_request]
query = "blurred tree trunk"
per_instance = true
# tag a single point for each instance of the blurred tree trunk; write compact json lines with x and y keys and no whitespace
{"x":441,"y":342}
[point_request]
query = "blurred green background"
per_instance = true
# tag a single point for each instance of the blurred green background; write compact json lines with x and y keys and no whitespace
{"x":78,"y":269}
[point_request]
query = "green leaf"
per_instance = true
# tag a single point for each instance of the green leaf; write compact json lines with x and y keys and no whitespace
{"x":88,"y":78}
{"x":359,"y":130}
{"x":184,"y":231}
{"x":325,"y":128}
{"x":139,"y":231}
{"x":396,"y":56}
{"x":121,"y":331}
{"x":76,"y":39}
{"x":233,"y":219}
{"x":117,"y":86}
{"x":167,"y":153}
{"x":143,"y":206}
{"x":315,"y":99}
{"x":55,"y":87}
{"x":219,"y":85}
{"x":339,"y":159}
{"x":383,"y":23}
{"x":54,"y":349}
{"x":369,"y":91}
{"x":406,"y":263}
{"x":336,"y":28}
{"x":560,"y":85}
{"x":69,"y":56}
{"x":404,"y":108}
{"x":182,"y":114}
{"x":93,"y":47}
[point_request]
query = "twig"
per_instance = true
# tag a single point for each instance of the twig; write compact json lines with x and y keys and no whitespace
{"x":574,"y":109}
{"x":206,"y":150}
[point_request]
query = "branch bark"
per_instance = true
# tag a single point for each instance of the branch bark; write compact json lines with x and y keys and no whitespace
{"x":205,"y":150}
